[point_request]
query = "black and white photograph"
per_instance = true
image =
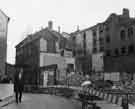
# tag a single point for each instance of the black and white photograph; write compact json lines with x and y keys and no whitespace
{"x":67,"y":54}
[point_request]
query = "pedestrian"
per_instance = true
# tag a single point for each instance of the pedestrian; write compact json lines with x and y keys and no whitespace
{"x":18,"y":85}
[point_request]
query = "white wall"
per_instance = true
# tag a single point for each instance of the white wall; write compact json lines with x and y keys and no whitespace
{"x":49,"y":59}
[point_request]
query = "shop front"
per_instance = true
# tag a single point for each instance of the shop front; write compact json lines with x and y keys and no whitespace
{"x":48,"y":75}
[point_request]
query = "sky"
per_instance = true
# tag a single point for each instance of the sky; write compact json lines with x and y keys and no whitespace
{"x":28,"y":16}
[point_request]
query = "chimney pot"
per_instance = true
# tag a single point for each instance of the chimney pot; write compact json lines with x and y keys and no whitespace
{"x":125,"y":12}
{"x":50,"y":25}
{"x":59,"y":29}
{"x":78,"y":28}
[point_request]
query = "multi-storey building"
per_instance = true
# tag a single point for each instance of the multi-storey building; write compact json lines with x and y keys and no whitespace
{"x":116,"y":41}
{"x":112,"y":42}
{"x":42,"y":52}
{"x":82,"y":49}
{"x":4,"y":19}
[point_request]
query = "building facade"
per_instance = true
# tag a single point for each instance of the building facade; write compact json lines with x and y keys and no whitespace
{"x":82,"y":49}
{"x":117,"y":42}
{"x":42,"y":53}
{"x":4,"y":20}
{"x":113,"y":38}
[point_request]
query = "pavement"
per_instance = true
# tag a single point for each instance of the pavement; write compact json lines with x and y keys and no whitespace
{"x":6,"y":90}
{"x":43,"y":101}
{"x":6,"y":94}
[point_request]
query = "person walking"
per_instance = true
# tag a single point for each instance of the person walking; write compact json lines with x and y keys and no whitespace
{"x":18,"y":85}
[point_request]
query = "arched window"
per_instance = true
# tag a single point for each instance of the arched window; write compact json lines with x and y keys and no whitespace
{"x":130,"y":32}
{"x":108,"y":39}
{"x":122,"y":34}
{"x":62,"y":53}
{"x":74,"y":52}
{"x":94,"y":33}
{"x":123,"y":50}
{"x":116,"y":51}
{"x":130,"y":49}
{"x":94,"y":50}
{"x":108,"y":52}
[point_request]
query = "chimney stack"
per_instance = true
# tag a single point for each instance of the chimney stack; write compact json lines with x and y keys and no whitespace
{"x":59,"y":29}
{"x":78,"y":28}
{"x":50,"y":25}
{"x":125,"y":12}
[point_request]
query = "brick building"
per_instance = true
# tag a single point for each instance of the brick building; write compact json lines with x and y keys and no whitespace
{"x":117,"y":42}
{"x":113,"y":38}
{"x":82,"y":49}
{"x":42,"y":51}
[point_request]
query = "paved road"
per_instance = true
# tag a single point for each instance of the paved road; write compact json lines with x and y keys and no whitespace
{"x":42,"y":101}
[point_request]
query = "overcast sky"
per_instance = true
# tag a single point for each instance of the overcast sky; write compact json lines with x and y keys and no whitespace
{"x":27,"y":16}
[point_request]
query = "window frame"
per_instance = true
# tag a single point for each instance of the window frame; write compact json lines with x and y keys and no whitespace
{"x":108,"y":39}
{"x":123,"y":35}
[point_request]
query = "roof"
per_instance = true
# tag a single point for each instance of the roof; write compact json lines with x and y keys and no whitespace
{"x":38,"y":35}
{"x":86,"y":29}
{"x":4,"y":14}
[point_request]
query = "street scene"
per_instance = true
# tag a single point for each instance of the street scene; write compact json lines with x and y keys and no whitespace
{"x":67,"y":54}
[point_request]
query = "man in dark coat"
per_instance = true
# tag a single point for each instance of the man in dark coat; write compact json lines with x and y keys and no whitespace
{"x":18,"y":85}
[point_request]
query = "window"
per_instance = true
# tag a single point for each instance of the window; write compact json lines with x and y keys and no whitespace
{"x":94,"y":42}
{"x":62,"y":53}
{"x":101,"y":49}
{"x":101,"y":40}
{"x":94,"y":33}
{"x":122,"y":35}
{"x":73,"y":38}
{"x":57,"y":47}
{"x":116,"y":51}
{"x":84,"y":36}
{"x":84,"y":41}
{"x":29,"y":50}
{"x":108,"y":39}
{"x":94,"y":50}
{"x":123,"y":50}
{"x":43,"y":44}
{"x":74,"y":53}
{"x":130,"y":49}
{"x":107,"y":28}
{"x":101,"y":31}
{"x":130,"y":32}
{"x":108,"y":52}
